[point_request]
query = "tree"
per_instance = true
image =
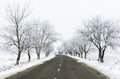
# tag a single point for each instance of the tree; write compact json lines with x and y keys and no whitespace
{"x":28,"y":42}
{"x":83,"y":45}
{"x":101,"y":33}
{"x":68,"y":48}
{"x":43,"y":35}
{"x":14,"y":36}
{"x":48,"y":49}
{"x":74,"y":47}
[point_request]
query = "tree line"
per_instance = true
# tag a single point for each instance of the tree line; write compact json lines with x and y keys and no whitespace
{"x":97,"y":33}
{"x":23,"y":35}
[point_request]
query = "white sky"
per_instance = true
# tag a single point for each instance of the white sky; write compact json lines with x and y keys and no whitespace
{"x":67,"y":14}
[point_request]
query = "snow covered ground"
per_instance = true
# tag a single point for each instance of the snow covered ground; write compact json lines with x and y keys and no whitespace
{"x":110,"y":67}
{"x":7,"y":63}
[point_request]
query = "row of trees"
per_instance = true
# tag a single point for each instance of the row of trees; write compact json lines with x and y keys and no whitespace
{"x":98,"y":33}
{"x":24,"y":35}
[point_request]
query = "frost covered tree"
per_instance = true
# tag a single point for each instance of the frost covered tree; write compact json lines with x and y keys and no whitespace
{"x":77,"y":46}
{"x":48,"y":48}
{"x":101,"y":33}
{"x":68,"y":47}
{"x":14,"y":35}
{"x":28,"y":42}
{"x":82,"y":45}
{"x":43,"y":35}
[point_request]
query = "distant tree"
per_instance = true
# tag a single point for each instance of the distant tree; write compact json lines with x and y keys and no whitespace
{"x":101,"y":33}
{"x":48,"y":49}
{"x":68,"y":47}
{"x":83,"y":45}
{"x":63,"y":49}
{"x":73,"y":47}
{"x":60,"y":50}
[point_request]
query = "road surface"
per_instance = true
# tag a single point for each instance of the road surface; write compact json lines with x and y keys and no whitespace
{"x":61,"y":67}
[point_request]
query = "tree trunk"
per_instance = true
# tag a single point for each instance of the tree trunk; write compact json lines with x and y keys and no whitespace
{"x":81,"y":55}
{"x":85,"y":55}
{"x":70,"y":53}
{"x":38,"y":52}
{"x":101,"y":59}
{"x":38,"y":55}
{"x":29,"y":57}
{"x":18,"y":58}
{"x":103,"y":52}
{"x":101,"y":55}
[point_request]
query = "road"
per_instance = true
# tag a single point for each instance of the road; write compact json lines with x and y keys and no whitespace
{"x":60,"y":67}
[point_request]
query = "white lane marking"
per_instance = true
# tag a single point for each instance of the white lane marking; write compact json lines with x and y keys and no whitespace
{"x":55,"y":78}
{"x":58,"y":70}
{"x":60,"y":65}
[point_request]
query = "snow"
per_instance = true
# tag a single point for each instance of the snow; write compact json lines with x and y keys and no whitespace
{"x":8,"y":67}
{"x":110,"y":67}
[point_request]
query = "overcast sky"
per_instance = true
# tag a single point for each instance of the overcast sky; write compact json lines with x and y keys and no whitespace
{"x":65,"y":15}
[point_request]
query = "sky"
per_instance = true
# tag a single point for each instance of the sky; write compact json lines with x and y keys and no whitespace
{"x":66,"y":15}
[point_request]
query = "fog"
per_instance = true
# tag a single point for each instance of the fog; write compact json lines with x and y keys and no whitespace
{"x":66,"y":15}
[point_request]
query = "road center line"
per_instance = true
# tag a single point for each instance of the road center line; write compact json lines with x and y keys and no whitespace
{"x":58,"y":70}
{"x":60,"y":65}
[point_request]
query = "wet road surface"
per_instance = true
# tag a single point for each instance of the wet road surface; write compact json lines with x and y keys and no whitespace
{"x":60,"y":67}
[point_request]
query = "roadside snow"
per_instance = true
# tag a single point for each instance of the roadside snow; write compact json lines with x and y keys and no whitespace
{"x":7,"y":63}
{"x":111,"y":66}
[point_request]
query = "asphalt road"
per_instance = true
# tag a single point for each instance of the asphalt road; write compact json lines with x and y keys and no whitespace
{"x":61,"y":67}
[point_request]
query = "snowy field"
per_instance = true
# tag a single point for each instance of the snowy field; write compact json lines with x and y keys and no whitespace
{"x":7,"y":63}
{"x":110,"y":67}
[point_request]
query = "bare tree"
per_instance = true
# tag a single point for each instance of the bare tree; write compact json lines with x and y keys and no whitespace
{"x":28,"y":42}
{"x":64,"y":48}
{"x":73,"y":47}
{"x":48,"y":49}
{"x":83,"y":45}
{"x":43,"y":35}
{"x":101,"y":33}
{"x":14,"y":36}
{"x":68,"y":47}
